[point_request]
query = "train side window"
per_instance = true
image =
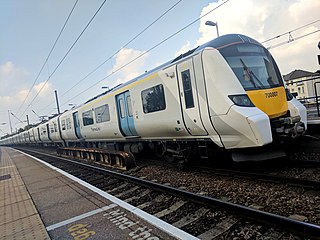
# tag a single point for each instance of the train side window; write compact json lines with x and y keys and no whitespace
{"x":153,"y":99}
{"x":187,"y":88}
{"x":102,"y":113}
{"x":63,"y":125}
{"x":87,"y":118}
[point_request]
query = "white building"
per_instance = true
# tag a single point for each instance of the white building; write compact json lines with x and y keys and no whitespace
{"x":301,"y":84}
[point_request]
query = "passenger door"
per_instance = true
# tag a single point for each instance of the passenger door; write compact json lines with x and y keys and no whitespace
{"x":189,"y":98}
{"x":125,"y":114}
{"x":77,"y":125}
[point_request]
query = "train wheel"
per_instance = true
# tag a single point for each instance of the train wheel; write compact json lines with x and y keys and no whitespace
{"x":159,"y":150}
{"x":168,"y":157}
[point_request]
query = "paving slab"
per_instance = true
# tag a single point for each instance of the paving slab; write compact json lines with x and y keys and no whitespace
{"x":61,"y":206}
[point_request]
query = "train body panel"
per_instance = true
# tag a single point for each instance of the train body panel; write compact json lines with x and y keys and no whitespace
{"x":54,"y":130}
{"x":37,"y":134}
{"x":297,"y":110}
{"x":44,"y":133}
{"x":242,"y":128}
{"x":271,"y":101}
{"x":154,"y":117}
{"x":189,"y":100}
{"x":31,"y":135}
{"x":23,"y":137}
{"x":66,"y":122}
{"x":219,"y":77}
{"x":98,"y":120}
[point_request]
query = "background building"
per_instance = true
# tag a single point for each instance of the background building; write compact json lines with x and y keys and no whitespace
{"x":302,"y":85}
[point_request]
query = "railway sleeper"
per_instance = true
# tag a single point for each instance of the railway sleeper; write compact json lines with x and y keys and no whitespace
{"x":112,"y":158}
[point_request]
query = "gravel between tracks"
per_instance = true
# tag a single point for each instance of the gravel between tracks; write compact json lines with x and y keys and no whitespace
{"x":275,"y":198}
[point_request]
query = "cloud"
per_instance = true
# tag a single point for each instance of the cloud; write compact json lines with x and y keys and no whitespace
{"x":132,"y":70}
{"x":234,"y":17}
{"x":45,"y":88}
{"x":12,"y":78}
{"x":183,"y":49}
{"x":13,"y":102}
{"x":263,"y":20}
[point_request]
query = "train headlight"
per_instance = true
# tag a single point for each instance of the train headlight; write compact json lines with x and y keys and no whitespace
{"x":241,"y":100}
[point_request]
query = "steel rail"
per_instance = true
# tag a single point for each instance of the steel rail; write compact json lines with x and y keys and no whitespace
{"x":305,"y":183}
{"x":302,"y":228}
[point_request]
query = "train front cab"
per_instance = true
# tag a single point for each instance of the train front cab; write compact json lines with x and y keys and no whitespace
{"x":259,"y":75}
{"x":250,"y":106}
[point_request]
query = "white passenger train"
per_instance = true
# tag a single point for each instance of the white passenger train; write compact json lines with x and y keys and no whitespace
{"x":227,"y":93}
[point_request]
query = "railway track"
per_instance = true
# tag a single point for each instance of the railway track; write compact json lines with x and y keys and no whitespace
{"x":200,"y":215}
{"x":290,"y":181}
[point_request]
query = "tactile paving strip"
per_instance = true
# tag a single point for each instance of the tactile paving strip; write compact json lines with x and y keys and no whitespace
{"x":25,"y":228}
{"x":19,"y":217}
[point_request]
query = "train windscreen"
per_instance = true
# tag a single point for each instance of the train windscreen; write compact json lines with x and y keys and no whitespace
{"x":253,"y":65}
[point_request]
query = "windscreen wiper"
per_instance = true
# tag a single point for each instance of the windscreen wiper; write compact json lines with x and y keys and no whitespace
{"x":250,"y":73}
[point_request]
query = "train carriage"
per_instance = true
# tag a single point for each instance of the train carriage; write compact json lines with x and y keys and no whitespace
{"x":228,"y":92}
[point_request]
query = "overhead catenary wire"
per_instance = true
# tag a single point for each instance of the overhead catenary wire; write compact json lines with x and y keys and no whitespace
{"x":135,"y":37}
{"x":50,"y":52}
{"x":291,"y":31}
{"x":114,"y":54}
{"x":66,"y":54}
{"x":123,"y":66}
{"x":168,"y":39}
{"x":149,"y":50}
{"x":293,"y":39}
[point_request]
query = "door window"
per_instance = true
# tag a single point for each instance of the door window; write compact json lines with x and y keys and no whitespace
{"x":187,"y":88}
{"x":129,"y":106}
{"x":122,"y":109}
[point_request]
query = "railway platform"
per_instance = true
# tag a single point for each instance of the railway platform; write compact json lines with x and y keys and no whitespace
{"x":39,"y":201}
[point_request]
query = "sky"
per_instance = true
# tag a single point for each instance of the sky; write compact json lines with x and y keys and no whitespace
{"x":104,"y":55}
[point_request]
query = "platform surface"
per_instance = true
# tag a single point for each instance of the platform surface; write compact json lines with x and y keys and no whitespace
{"x":19,"y":216}
{"x":39,"y":201}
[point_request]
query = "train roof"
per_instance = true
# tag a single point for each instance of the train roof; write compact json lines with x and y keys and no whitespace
{"x":216,"y":43}
{"x":227,"y":40}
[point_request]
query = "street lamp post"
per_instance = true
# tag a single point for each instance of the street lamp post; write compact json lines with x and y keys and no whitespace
{"x":214,"y":24}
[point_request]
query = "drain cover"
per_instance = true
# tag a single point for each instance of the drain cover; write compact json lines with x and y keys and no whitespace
{"x":4,"y":177}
